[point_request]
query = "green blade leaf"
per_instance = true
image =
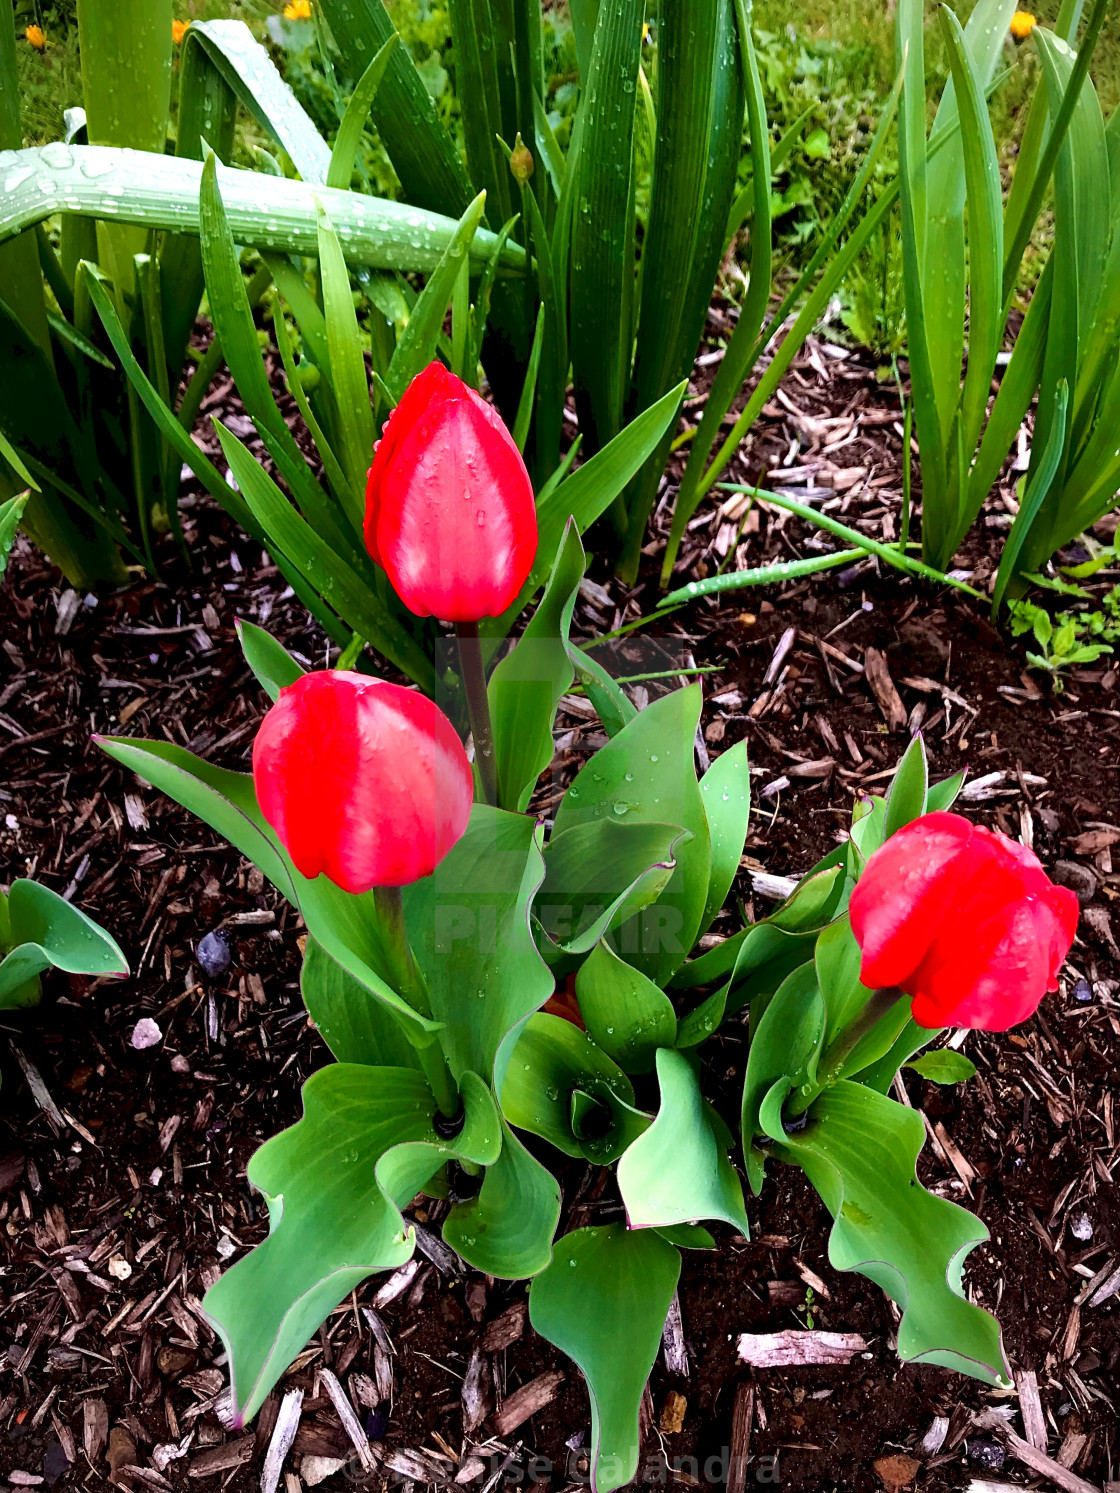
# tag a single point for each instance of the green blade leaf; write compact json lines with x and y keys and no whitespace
{"x":726,"y":791}
{"x":417,"y":344}
{"x":1038,"y":488}
{"x":557,"y":1076}
{"x":944,"y":1066}
{"x":507,"y":1230}
{"x":599,"y":874}
{"x":335,"y":1183}
{"x":269,"y":660}
{"x":321,"y":567}
{"x":859,"y":1151}
{"x":678,"y":1171}
{"x":252,"y":75}
{"x":907,"y":797}
{"x":355,"y":1028}
{"x":267,"y":212}
{"x":600,"y":286}
{"x":784,"y":1049}
{"x":628,"y":1016}
{"x":349,"y":383}
{"x":45,"y":932}
{"x":647,"y":774}
{"x":527,"y":684}
{"x":603,"y":1302}
{"x":349,"y":135}
{"x":469,"y":927}
{"x":420,"y":147}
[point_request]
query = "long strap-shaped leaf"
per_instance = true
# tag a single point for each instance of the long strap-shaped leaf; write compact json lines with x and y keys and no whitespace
{"x":267,"y":212}
{"x":421,"y":149}
{"x":255,"y":79}
{"x":702,"y":69}
{"x":602,"y":242}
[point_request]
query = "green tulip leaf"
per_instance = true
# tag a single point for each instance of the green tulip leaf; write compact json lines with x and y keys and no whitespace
{"x":906,"y":800}
{"x":944,"y":795}
{"x":762,"y":956}
{"x":39,"y":930}
{"x":808,"y":908}
{"x":601,"y":873}
{"x":784,"y":1046}
{"x":615,"y":707}
{"x":560,"y":1086}
{"x":469,"y":928}
{"x":726,"y":790}
{"x":859,"y":1150}
{"x":838,"y":959}
{"x":354,"y":1027}
{"x":879,"y":1074}
{"x":346,"y":926}
{"x":678,"y":1171}
{"x":526,"y":686}
{"x":647,"y":774}
{"x":943,"y":1065}
{"x":687,"y":1236}
{"x":269,"y":660}
{"x":507,"y":1230}
{"x":603,"y":1301}
{"x":627,"y":1015}
{"x":335,"y":1183}
{"x":868,"y":832}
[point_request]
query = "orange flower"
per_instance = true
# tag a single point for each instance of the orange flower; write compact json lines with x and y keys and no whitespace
{"x":179,"y":30}
{"x":298,"y":10}
{"x":1022,"y":24}
{"x":34,"y":35}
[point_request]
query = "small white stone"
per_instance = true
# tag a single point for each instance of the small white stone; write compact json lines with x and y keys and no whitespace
{"x":146,"y":1033}
{"x":118,"y":1267}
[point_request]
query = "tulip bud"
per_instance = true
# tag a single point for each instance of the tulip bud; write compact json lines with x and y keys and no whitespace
{"x":363,"y":781}
{"x":964,"y":920}
{"x":521,"y":161}
{"x":450,"y":513}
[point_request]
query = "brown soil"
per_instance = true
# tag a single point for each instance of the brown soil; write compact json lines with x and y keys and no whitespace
{"x":147,"y":1168}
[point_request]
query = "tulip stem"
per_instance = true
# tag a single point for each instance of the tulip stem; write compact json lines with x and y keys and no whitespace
{"x":405,"y":974}
{"x":833,"y":1060}
{"x":478,"y":705}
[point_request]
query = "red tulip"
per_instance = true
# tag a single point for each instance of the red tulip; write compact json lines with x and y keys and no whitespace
{"x":450,"y":513}
{"x":964,"y":920}
{"x":363,"y":781}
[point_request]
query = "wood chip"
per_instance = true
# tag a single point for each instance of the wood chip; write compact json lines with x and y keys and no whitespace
{"x":673,"y":1413}
{"x":283,"y":1434}
{"x":742,"y":1420}
{"x":95,"y":1427}
{"x":505,"y":1330}
{"x":672,"y":1340}
{"x":957,"y":1159}
{"x":882,"y":687}
{"x":222,"y":1458}
{"x":1030,"y":1404}
{"x":350,"y":1422}
{"x":1031,"y":1457}
{"x":397,"y":1284}
{"x":776,"y":1350}
{"x":527,"y":1400}
{"x":478,"y":1392}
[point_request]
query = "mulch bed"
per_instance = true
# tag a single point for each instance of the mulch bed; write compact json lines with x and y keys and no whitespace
{"x":123,"y":1170}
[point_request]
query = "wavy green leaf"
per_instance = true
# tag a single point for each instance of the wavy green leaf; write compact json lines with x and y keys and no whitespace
{"x":603,"y":1301}
{"x":859,"y":1151}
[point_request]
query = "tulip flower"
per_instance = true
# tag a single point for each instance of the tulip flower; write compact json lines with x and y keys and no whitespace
{"x":450,"y":513}
{"x":964,"y":920}
{"x":363,"y":781}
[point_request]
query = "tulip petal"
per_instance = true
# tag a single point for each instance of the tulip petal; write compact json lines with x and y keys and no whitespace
{"x":899,"y":903}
